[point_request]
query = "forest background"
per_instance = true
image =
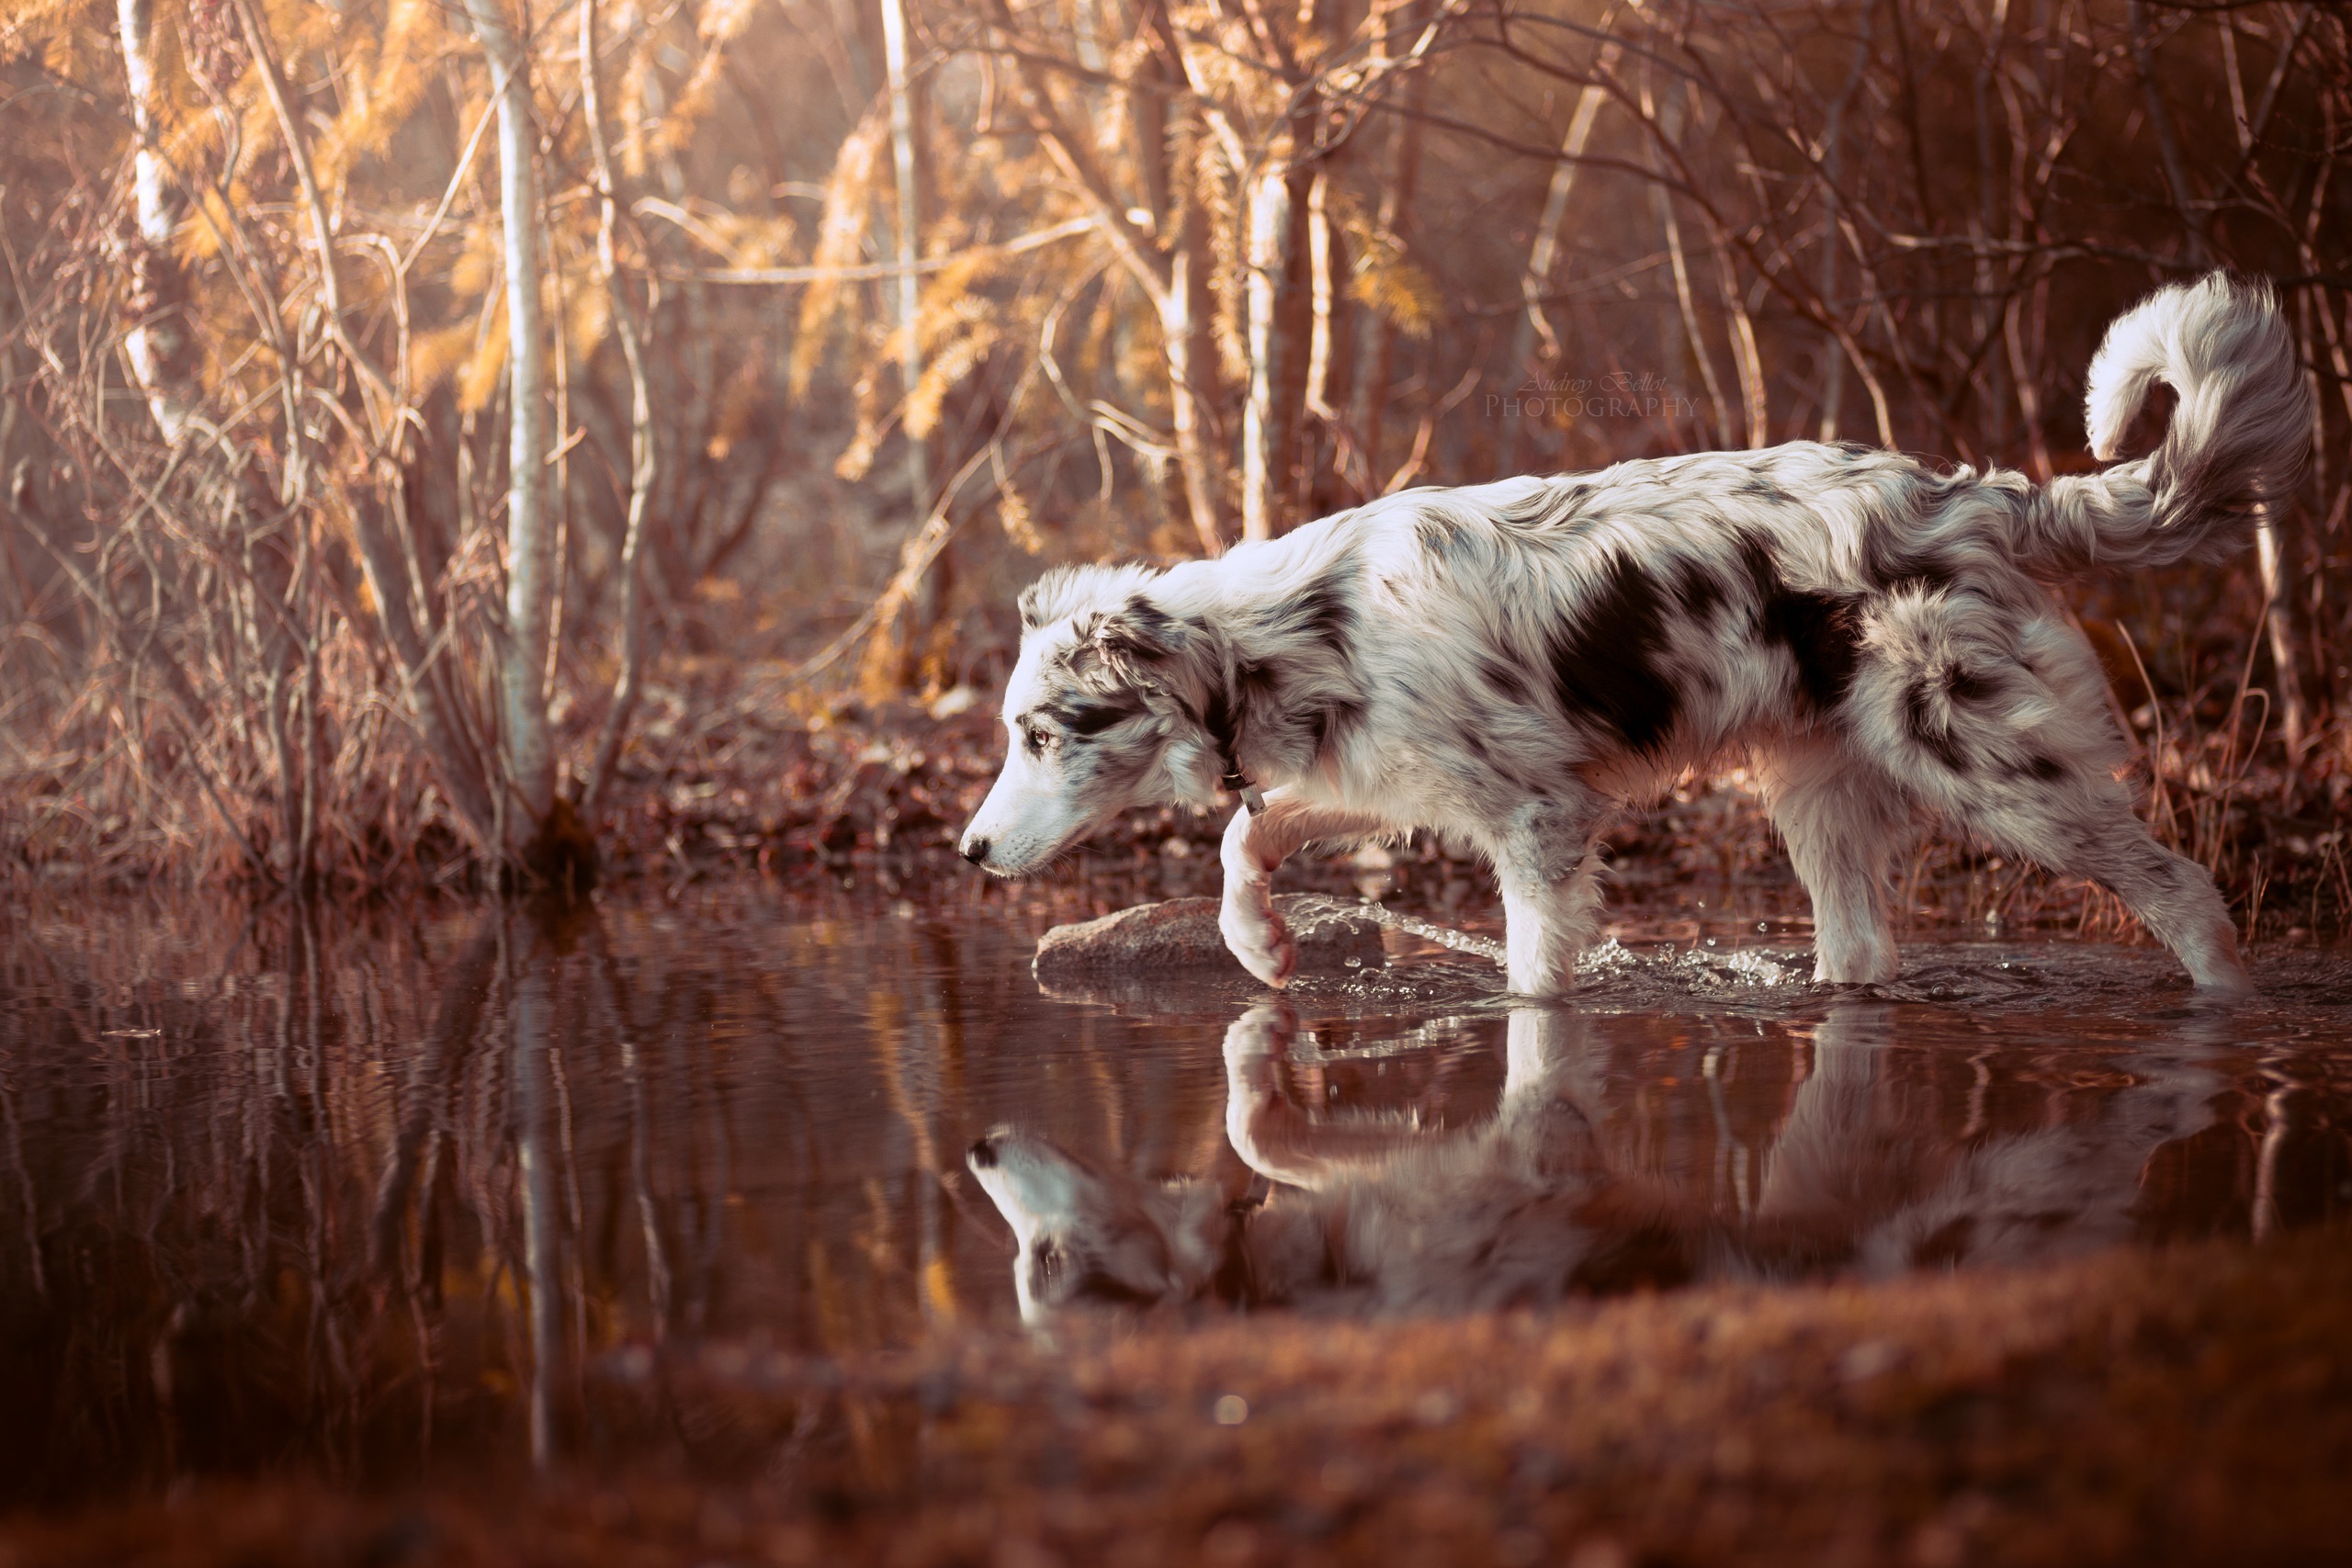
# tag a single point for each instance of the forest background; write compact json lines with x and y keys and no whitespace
{"x":444,"y":439}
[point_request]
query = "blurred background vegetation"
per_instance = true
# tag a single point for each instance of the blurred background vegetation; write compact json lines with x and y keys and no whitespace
{"x":441,"y":437}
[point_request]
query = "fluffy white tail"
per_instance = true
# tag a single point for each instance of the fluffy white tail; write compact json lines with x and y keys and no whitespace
{"x":2239,"y":435}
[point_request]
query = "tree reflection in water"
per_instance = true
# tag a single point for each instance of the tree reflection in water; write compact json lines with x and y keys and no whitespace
{"x":385,"y":1194}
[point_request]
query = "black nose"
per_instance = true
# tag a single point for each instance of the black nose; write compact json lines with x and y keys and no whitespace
{"x":982,"y":1154}
{"x":975,"y":849}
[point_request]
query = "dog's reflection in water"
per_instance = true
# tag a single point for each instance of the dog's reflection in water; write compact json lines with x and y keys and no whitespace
{"x":1387,"y":1218}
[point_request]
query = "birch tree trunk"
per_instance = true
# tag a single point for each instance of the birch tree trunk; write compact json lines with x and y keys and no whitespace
{"x":1544,"y":252}
{"x":157,"y":343}
{"x":909,"y":290}
{"x":1281,"y":325}
{"x":1184,"y":331}
{"x":1175,"y":283}
{"x":529,"y":756}
{"x":893,"y":660}
{"x":1262,"y":425}
{"x":531,"y":1014}
{"x":1188,"y":335}
{"x":1327,"y":363}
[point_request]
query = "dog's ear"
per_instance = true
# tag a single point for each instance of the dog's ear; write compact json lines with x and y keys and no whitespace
{"x":1141,"y":631}
{"x":1138,"y":642}
{"x":1035,"y":602}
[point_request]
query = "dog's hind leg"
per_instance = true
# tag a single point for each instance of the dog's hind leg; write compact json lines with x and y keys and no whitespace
{"x":2084,"y":827}
{"x":2006,"y":729}
{"x":1843,"y":820}
{"x":1547,"y":866}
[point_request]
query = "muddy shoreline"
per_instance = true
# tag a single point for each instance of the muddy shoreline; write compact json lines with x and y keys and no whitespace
{"x":2189,"y":1404}
{"x":884,"y":795}
{"x":848,"y":794}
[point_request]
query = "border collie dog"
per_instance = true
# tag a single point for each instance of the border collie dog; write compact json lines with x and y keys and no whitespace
{"x":1509,"y":663}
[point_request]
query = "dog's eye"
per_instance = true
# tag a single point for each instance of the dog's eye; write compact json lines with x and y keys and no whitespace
{"x":1050,"y":1260}
{"x":1034,"y":738}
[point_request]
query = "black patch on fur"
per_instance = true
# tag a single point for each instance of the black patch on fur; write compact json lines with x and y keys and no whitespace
{"x":1945,"y":1247}
{"x":1824,"y":637}
{"x":1966,"y":687}
{"x":1698,"y":590}
{"x":1217,"y":716}
{"x":1322,"y":612}
{"x":1603,"y":664}
{"x":1822,"y":631}
{"x":1756,"y":557}
{"x":1919,"y":719}
{"x":1649,"y":1256}
{"x":2048,"y":770}
{"x":1755,"y":487}
{"x":1506,"y":680}
{"x":1092,"y":719}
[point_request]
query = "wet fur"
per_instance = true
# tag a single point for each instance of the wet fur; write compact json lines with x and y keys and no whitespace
{"x":1507,"y":663}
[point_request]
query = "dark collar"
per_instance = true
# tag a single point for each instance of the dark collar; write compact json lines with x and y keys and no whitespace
{"x":1224,"y":727}
{"x":1253,"y":800}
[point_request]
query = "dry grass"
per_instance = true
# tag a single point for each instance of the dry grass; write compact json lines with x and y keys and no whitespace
{"x":2186,"y":1406}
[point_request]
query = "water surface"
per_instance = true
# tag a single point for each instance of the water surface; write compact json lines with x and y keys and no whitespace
{"x":383,"y":1195}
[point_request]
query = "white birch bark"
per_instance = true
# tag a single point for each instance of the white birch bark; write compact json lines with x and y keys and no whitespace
{"x":1540,"y":256}
{"x":2292,"y":722}
{"x":531,"y":758}
{"x":1324,"y":291}
{"x":152,"y":345}
{"x":902,"y":159}
{"x":1268,"y":260}
{"x":1187,"y":363}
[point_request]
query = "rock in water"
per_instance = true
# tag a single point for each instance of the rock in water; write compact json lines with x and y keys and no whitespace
{"x":1181,"y":936}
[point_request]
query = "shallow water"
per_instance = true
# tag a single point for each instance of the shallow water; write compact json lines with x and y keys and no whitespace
{"x":380,"y":1195}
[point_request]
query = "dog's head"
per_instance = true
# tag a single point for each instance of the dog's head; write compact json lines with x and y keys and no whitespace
{"x":1105,"y":711}
{"x":1091,"y":1236}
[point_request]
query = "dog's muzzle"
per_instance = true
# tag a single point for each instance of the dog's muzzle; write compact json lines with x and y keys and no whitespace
{"x":974,"y":849}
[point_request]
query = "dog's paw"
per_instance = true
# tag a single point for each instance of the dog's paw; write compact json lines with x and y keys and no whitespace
{"x":1256,"y":935}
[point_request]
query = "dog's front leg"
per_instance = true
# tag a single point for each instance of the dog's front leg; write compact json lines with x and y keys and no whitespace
{"x":1281,"y":1138}
{"x":1255,"y":843}
{"x":1551,"y":902}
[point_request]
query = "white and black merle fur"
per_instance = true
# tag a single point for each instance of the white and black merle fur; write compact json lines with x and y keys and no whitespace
{"x":1507,"y":663}
{"x":1385,"y":1216}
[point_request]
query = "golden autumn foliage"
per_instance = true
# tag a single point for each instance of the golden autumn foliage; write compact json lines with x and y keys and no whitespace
{"x":256,"y":358}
